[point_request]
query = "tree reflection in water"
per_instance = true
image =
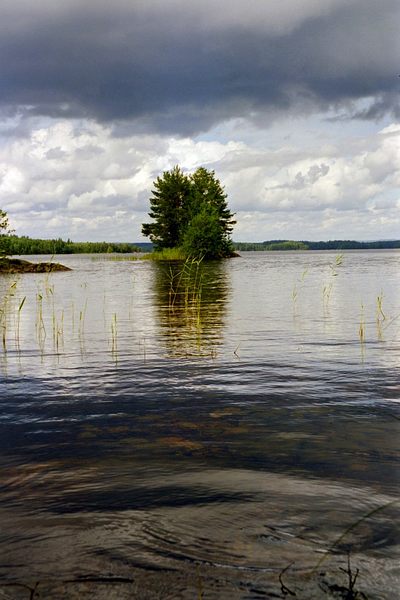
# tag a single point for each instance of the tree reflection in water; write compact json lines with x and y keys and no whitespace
{"x":191,"y":299}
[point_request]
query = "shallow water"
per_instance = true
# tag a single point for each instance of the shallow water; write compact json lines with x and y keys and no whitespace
{"x":197,"y":432}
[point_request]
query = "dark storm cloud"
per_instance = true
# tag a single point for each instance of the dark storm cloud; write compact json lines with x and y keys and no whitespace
{"x":183,"y":67}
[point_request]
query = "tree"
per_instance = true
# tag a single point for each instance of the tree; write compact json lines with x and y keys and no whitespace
{"x":168,"y":208}
{"x":4,"y":231}
{"x":206,"y":189}
{"x":190,"y":211}
{"x":204,"y":236}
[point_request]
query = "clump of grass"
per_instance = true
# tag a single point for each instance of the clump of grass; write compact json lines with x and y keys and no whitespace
{"x":166,"y":254}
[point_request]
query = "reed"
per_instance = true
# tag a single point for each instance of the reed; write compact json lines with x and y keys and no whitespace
{"x":114,"y":333}
{"x":40,"y":326}
{"x":73,"y":316}
{"x":380,"y":316}
{"x":187,"y":281}
{"x":61,"y":329}
{"x":361,"y":328}
{"x":299,"y":284}
{"x":295,"y":294}
{"x":328,"y":287}
{"x":82,"y":316}
{"x":4,"y":313}
{"x":326,"y":294}
{"x":3,"y":321}
{"x":58,"y":330}
{"x":20,"y":307}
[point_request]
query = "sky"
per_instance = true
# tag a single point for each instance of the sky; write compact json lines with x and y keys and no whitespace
{"x":295,"y":104}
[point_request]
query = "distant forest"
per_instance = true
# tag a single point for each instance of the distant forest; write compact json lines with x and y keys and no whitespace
{"x":15,"y":245}
{"x":306,"y":245}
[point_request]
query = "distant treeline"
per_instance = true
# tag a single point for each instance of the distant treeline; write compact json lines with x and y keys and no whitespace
{"x":15,"y":245}
{"x":306,"y":245}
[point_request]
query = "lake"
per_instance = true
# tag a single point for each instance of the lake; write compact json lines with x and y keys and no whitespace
{"x":221,"y":430}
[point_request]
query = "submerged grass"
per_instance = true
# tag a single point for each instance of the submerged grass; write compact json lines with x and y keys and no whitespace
{"x":116,"y":258}
{"x":351,"y":528}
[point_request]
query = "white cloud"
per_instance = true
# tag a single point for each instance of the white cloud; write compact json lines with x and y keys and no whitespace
{"x":77,"y":179}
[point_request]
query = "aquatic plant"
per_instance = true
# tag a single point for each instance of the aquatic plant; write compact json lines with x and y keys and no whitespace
{"x":4,"y":312}
{"x":114,"y":333}
{"x":299,"y":284}
{"x":82,"y":316}
{"x":326,"y":294}
{"x":40,"y":326}
{"x":361,"y":328}
{"x":328,"y":287}
{"x":17,"y":329}
{"x":380,"y":315}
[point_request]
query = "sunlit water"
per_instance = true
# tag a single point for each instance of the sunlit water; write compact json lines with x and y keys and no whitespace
{"x":169,"y":434}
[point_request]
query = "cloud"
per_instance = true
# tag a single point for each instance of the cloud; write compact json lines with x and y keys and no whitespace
{"x":182,"y":67}
{"x":74,"y":178}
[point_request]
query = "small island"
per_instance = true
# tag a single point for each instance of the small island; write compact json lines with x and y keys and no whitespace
{"x":10,"y":266}
{"x":190,"y":217}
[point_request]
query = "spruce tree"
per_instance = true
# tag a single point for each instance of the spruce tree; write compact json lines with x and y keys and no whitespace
{"x":168,"y":209}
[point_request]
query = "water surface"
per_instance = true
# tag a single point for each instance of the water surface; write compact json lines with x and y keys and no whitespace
{"x":184,"y":433}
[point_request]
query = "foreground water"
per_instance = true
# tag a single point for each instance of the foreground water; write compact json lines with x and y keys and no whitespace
{"x":229,"y":430}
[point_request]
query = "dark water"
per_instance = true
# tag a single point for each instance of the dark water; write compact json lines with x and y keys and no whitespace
{"x":190,"y":433}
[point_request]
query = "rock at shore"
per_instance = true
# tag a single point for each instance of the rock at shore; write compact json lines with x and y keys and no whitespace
{"x":17,"y":265}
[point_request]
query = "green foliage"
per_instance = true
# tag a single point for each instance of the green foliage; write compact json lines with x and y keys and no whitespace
{"x":289,"y":245}
{"x":272,"y":245}
{"x":168,"y":208}
{"x":204,"y":236}
{"x":4,"y":232}
{"x":307,"y":245}
{"x":14,"y":245}
{"x":190,"y":212}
